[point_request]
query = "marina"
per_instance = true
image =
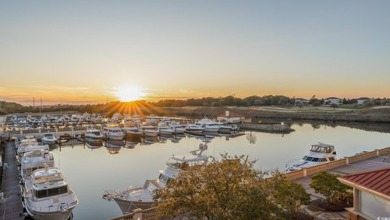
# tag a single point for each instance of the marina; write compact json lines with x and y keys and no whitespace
{"x":113,"y":165}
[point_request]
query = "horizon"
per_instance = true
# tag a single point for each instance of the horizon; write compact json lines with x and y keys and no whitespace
{"x":93,"y":52}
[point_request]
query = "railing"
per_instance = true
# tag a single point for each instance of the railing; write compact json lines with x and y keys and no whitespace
{"x":146,"y":214}
{"x":294,"y":175}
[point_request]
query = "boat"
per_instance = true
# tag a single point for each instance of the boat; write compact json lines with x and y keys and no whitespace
{"x":194,"y":129}
{"x":165,"y":130}
{"x":113,"y":133}
{"x":49,"y":138}
{"x":29,"y":144}
{"x":132,"y":130}
{"x":177,"y":128}
{"x":47,"y":196}
{"x":208,"y":125}
{"x":149,"y":130}
{"x":93,"y":134}
{"x":34,"y":160}
{"x":143,"y":197}
{"x":318,"y":154}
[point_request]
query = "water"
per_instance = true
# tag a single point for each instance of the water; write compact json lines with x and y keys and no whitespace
{"x":92,"y":171}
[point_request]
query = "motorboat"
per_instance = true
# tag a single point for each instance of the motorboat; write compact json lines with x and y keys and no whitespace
{"x":177,"y":128}
{"x":34,"y":160}
{"x":47,"y":196}
{"x":132,"y":130}
{"x":93,"y":134}
{"x":113,"y":133}
{"x":29,"y":144}
{"x":208,"y":125}
{"x":143,"y":197}
{"x":149,"y":130}
{"x":318,"y":154}
{"x":165,"y":130}
{"x":49,"y":138}
{"x":194,"y":129}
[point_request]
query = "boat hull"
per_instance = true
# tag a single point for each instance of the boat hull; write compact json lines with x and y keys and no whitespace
{"x":127,"y":206}
{"x":57,"y":215}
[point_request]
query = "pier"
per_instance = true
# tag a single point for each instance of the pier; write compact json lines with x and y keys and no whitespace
{"x":11,"y":207}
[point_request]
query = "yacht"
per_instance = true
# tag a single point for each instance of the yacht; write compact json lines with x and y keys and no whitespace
{"x":47,"y":195}
{"x":93,"y":134}
{"x":208,"y":125}
{"x":113,"y":133}
{"x":149,"y":130}
{"x":165,"y":130}
{"x":318,"y":154}
{"x":34,"y":160}
{"x":177,"y":128}
{"x":29,"y":144}
{"x":132,"y":130}
{"x":49,"y":138}
{"x":142,"y":197}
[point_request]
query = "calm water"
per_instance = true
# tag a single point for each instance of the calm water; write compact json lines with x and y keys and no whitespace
{"x":92,"y":171}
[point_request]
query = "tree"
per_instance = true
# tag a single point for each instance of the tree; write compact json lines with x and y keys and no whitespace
{"x":328,"y":185}
{"x":228,"y":189}
{"x":287,"y":194}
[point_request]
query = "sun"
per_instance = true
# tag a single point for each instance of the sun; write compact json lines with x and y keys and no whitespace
{"x":129,"y":93}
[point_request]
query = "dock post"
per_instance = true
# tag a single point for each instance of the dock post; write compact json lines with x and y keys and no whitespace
{"x":377,"y":153}
{"x":304,"y":172}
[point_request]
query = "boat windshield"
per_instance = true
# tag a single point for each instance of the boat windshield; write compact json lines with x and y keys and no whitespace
{"x":51,"y":192}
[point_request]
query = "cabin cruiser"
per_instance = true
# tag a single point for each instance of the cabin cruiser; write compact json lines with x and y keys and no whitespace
{"x":319,"y":153}
{"x":132,"y":130}
{"x":113,"y":133}
{"x":165,"y":130}
{"x":47,"y":195}
{"x":93,"y":134}
{"x":34,"y":160}
{"x":29,"y":144}
{"x":142,"y":197}
{"x":49,"y":139}
{"x":208,"y":125}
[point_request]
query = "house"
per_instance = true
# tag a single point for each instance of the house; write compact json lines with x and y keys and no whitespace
{"x":333,"y":100}
{"x":371,"y":194}
{"x":362,"y":101}
{"x":300,"y":101}
{"x":231,"y":119}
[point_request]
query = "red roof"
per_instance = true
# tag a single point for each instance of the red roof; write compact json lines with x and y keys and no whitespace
{"x":377,"y":180}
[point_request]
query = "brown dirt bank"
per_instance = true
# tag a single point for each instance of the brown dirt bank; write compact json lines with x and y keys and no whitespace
{"x":373,"y":115}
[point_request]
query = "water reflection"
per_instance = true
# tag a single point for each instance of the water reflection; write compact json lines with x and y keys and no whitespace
{"x":114,"y":146}
{"x":93,"y":143}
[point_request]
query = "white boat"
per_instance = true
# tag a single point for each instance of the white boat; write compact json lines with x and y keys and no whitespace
{"x":194,"y":129}
{"x":208,"y":125}
{"x":149,"y":130}
{"x":132,"y":130}
{"x":47,"y":195}
{"x":165,"y":130}
{"x":93,"y":134}
{"x":34,"y":160}
{"x":142,"y":197}
{"x":177,"y":128}
{"x":49,"y":138}
{"x":319,"y":153}
{"x":113,"y":133}
{"x":29,"y":144}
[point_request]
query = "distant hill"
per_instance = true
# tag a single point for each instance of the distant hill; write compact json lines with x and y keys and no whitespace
{"x":10,"y":107}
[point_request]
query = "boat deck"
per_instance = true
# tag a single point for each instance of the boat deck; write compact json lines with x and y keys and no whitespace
{"x":11,"y":204}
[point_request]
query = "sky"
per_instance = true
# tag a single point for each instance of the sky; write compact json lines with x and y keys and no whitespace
{"x":84,"y":51}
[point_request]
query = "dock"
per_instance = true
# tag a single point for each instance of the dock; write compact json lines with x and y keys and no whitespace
{"x":11,"y":207}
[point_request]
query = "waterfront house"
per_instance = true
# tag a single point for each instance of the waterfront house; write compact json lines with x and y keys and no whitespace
{"x":333,"y":100}
{"x":371,"y":194}
{"x":362,"y":101}
{"x":300,"y":101}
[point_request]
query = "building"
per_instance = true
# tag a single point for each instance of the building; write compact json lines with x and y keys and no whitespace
{"x":333,"y":100}
{"x":371,"y":194}
{"x":300,"y":101}
{"x":362,"y":101}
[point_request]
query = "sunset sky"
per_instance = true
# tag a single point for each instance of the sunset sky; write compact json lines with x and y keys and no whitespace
{"x":85,"y":51}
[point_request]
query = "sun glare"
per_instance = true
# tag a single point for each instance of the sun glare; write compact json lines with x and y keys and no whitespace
{"x":129,"y":93}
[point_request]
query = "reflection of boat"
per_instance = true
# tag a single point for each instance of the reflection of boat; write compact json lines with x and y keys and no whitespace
{"x":47,"y":195}
{"x":177,"y":128}
{"x":149,"y":131}
{"x":130,"y":144}
{"x":132,"y":130}
{"x":34,"y":160}
{"x":49,"y":138}
{"x":93,"y":134}
{"x":113,"y":147}
{"x":142,"y":197}
{"x":93,"y":143}
{"x":149,"y":140}
{"x":319,"y":153}
{"x":113,"y":133}
{"x":165,"y":130}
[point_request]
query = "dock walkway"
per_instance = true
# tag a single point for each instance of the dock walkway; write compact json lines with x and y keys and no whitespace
{"x":11,"y":206}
